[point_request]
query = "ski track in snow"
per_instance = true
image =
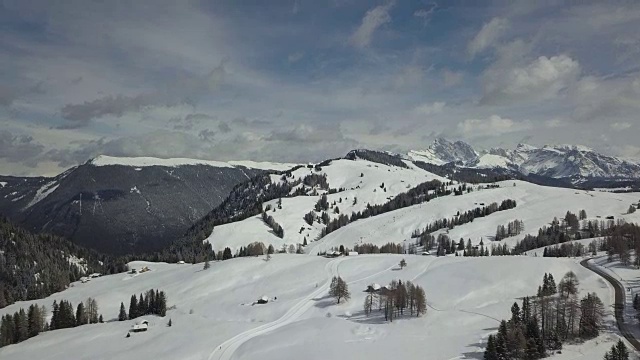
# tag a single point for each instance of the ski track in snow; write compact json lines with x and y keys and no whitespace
{"x":226,"y":350}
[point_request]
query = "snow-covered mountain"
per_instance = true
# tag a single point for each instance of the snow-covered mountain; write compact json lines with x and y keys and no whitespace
{"x":442,"y":152}
{"x":554,"y":161}
{"x":120,"y":205}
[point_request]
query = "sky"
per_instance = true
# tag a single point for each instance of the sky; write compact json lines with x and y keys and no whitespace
{"x":307,"y":80}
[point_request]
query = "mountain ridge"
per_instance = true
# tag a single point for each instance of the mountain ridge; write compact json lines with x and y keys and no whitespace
{"x":554,"y":161}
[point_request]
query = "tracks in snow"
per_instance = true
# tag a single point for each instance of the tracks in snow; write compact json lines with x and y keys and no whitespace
{"x":226,"y":350}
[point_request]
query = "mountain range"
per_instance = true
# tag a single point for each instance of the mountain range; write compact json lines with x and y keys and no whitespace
{"x":574,"y":162}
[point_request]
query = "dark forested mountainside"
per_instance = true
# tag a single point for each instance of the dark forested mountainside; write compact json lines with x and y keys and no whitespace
{"x":33,"y":266}
{"x":119,"y":209}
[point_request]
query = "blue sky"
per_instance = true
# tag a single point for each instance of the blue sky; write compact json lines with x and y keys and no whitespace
{"x":304,"y":80}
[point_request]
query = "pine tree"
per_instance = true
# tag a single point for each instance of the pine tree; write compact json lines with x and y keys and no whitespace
{"x":207,"y":265}
{"x":491,"y":353}
{"x":122,"y":316}
{"x":81,"y":315}
{"x":403,"y":263}
{"x":133,"y":307}
{"x":35,"y":320}
{"x":169,"y":324}
{"x":22,"y":325}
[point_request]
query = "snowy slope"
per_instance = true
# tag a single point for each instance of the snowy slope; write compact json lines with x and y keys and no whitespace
{"x":341,"y":173}
{"x":303,"y":322}
{"x":536,"y":206}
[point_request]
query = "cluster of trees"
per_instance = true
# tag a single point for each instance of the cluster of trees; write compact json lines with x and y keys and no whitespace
{"x":155,"y":303}
{"x":548,"y":286}
{"x":546,"y":321}
{"x":33,"y":266}
{"x":395,"y":299}
{"x":621,"y":239}
{"x":513,"y":228}
{"x":464,"y":218}
{"x":368,"y":248}
{"x":618,"y":351}
{"x":271,"y":222}
{"x":62,"y":315}
{"x":23,"y":325}
{"x":322,"y":204}
{"x":316,"y":180}
{"x":569,"y":249}
{"x":339,"y":289}
{"x":562,"y":231}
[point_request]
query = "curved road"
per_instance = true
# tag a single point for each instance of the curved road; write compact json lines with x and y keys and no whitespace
{"x":619,"y":302}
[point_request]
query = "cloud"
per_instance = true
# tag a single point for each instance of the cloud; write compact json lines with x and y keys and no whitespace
{"x":224,"y":127}
{"x":488,"y":35}
{"x":452,"y":78}
{"x":620,"y":126}
{"x":19,"y":148}
{"x":425,"y":14}
{"x":7,"y":95}
{"x":544,"y":78}
{"x":491,"y":126}
{"x":207,"y":135}
{"x":372,"y":20}
{"x":79,"y":115}
{"x":295,"y":57}
{"x":184,"y":89}
{"x":430,"y":108}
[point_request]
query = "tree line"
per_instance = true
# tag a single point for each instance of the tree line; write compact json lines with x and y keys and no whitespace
{"x":463,"y":218}
{"x":23,"y":325}
{"x":271,"y":222}
{"x":546,"y":321}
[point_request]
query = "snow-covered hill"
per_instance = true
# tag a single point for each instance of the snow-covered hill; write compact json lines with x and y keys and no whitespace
{"x":362,"y":182}
{"x":559,"y":161}
{"x":212,"y":316}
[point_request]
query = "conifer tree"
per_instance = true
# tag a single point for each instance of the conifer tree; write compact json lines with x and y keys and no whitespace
{"x":133,"y":307}
{"x":491,"y":353}
{"x":122,"y":316}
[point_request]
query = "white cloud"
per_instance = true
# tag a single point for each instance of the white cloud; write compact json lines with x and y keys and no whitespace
{"x":554,"y":123}
{"x":493,"y":125}
{"x":543,"y":78}
{"x":430,"y":108}
{"x":619,"y":126}
{"x":372,"y":20}
{"x":295,"y":57}
{"x":488,"y":35}
{"x":452,"y":78}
